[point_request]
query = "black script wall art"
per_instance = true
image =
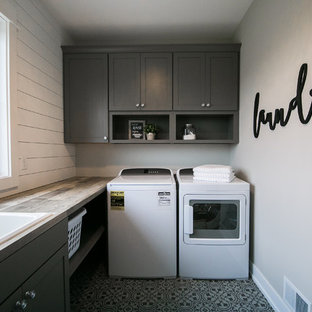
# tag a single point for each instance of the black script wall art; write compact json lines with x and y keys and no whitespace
{"x":279,"y":116}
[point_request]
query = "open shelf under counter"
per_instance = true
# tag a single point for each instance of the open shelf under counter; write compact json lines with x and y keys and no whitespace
{"x":89,"y":237}
{"x":210,"y":127}
{"x":93,"y":230}
{"x":120,"y":132}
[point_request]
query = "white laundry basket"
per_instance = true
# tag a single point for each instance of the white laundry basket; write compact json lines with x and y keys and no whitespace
{"x":74,"y":233}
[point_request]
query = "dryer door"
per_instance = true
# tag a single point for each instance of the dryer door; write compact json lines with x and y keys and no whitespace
{"x":214,"y":219}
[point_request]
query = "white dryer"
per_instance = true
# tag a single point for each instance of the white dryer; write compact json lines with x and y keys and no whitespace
{"x":213,"y":228}
{"x":142,"y":235}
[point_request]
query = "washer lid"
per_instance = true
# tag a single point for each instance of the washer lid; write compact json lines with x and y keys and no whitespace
{"x":143,"y":180}
{"x":144,"y":176}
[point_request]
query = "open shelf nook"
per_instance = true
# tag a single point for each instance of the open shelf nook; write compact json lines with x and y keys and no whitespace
{"x":209,"y":127}
{"x":120,"y":130}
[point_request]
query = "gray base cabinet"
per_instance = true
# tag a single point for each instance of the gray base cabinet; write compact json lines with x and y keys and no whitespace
{"x":85,"y":97}
{"x":36,"y":276}
{"x":45,"y":289}
{"x":14,"y":303}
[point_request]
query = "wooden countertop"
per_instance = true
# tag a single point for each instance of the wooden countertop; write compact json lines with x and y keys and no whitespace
{"x":60,"y":199}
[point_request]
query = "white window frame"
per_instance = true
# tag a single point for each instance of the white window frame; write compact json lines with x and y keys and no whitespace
{"x":5,"y":126}
{"x":9,"y":180}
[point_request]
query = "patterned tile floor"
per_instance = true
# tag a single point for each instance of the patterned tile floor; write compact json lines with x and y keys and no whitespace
{"x":93,"y":291}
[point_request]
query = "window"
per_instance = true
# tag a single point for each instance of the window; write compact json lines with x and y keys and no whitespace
{"x":5,"y":133}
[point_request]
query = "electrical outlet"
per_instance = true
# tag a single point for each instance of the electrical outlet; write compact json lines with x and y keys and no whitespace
{"x":23,"y":163}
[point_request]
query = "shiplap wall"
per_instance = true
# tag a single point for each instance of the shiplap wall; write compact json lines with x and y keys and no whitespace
{"x":43,"y":156}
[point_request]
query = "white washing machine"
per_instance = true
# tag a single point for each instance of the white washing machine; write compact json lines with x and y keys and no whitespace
{"x":213,"y":228}
{"x":142,"y":235}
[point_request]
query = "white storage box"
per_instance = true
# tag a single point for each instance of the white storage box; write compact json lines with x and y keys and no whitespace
{"x":74,"y":232}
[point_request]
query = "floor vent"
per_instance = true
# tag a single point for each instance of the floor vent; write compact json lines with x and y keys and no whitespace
{"x":295,"y":300}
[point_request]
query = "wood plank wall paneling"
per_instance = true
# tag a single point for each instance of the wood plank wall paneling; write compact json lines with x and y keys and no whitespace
{"x":40,"y":178}
{"x":43,"y":156}
{"x":34,"y":135}
{"x":28,"y":86}
{"x":25,"y":52}
{"x":39,"y":121}
{"x":39,"y":106}
{"x":29,"y":70}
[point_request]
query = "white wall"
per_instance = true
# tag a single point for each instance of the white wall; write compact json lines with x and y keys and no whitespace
{"x":43,"y":156}
{"x":109,"y":159}
{"x":276,"y":40}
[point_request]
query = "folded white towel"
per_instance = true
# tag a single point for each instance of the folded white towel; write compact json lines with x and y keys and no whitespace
{"x":215,"y":180}
{"x":213,"y":169}
{"x":213,"y":175}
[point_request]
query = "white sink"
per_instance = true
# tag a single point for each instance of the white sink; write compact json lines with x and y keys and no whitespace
{"x":13,"y":223}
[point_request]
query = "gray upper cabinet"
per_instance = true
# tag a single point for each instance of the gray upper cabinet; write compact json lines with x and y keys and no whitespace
{"x":206,"y":81}
{"x":124,"y":81}
{"x":223,"y":81}
{"x":165,"y":84}
{"x":189,"y":81}
{"x":86,"y":98}
{"x":156,"y":81}
{"x":140,"y":81}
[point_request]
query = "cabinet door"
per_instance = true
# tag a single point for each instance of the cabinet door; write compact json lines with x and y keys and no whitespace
{"x":46,"y":290}
{"x":156,"y":81}
{"x":222,"y":81}
{"x":124,"y":81}
{"x":189,"y":81}
{"x":85,"y":94}
{"x":13,"y":302}
{"x":50,"y":285}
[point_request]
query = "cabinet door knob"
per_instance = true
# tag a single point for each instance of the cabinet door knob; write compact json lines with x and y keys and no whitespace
{"x":203,"y":105}
{"x":31,"y":294}
{"x":137,"y":105}
{"x":142,"y":105}
{"x":21,"y":304}
{"x":208,"y":105}
{"x":105,"y":138}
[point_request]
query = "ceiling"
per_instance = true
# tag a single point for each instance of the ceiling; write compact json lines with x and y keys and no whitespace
{"x":149,"y":21}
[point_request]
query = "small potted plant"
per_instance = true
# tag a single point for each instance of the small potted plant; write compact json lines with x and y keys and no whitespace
{"x":150,"y":130}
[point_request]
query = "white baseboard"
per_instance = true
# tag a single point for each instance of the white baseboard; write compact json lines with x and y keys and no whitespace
{"x":268,"y":291}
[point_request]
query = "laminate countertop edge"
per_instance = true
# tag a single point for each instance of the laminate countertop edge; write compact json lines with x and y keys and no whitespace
{"x":60,"y":199}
